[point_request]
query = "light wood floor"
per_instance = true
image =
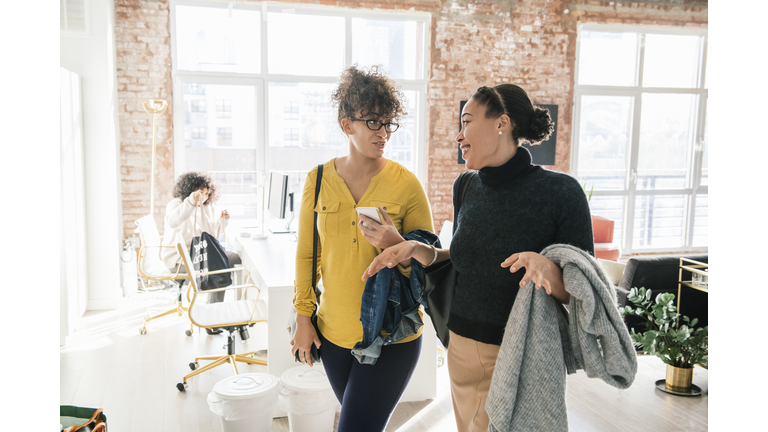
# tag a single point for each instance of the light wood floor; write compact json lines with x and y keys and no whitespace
{"x":133,"y":377}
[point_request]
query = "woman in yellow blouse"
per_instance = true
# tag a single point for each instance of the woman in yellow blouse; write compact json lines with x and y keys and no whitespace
{"x":369,"y":107}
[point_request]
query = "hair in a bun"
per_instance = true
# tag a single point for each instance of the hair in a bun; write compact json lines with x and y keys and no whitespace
{"x":541,"y":126}
{"x":529,"y":123}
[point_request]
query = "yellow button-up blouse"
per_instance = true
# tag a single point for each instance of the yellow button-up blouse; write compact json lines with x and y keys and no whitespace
{"x":343,"y":252}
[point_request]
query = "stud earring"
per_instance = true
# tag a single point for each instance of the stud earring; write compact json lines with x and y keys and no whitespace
{"x":499,"y":132}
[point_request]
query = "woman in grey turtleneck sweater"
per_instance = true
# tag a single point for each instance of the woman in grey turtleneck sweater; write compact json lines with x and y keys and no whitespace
{"x":511,"y":211}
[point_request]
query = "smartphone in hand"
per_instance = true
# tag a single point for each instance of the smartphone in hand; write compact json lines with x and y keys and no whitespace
{"x":371,"y":212}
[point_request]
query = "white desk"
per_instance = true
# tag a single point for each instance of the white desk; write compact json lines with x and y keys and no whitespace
{"x":271,"y":262}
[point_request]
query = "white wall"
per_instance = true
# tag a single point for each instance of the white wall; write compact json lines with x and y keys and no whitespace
{"x":74,"y":280}
{"x":93,"y":58}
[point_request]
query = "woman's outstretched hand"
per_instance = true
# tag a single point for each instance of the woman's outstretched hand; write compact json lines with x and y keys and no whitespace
{"x":381,"y":236}
{"x":539,"y":270}
{"x":390,"y":257}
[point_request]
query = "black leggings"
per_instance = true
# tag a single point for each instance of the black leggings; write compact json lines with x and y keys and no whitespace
{"x":368,"y":393}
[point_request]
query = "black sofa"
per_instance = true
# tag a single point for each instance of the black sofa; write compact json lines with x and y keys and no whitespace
{"x":660,"y":274}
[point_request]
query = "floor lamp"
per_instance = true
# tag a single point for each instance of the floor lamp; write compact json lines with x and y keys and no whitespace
{"x":157,"y":107}
{"x":154,"y":107}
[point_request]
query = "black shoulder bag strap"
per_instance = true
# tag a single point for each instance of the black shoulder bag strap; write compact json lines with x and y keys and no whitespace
{"x":315,"y":235}
{"x":462,"y":186}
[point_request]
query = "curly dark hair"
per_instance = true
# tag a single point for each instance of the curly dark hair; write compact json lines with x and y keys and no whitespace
{"x":192,"y":181}
{"x":370,"y":92}
{"x":529,"y":122}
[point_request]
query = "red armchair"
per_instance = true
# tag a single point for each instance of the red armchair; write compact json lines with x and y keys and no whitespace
{"x":605,"y":248}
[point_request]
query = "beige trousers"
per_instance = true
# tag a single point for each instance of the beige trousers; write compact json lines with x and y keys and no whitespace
{"x":470,"y":367}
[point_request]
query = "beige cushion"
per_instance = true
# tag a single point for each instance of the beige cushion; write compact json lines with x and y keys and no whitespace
{"x":613,"y":269}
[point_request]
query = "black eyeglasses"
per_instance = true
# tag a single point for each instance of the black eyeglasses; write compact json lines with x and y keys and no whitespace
{"x":375,"y":125}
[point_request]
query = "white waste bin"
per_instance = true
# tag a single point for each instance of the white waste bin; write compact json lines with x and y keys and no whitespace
{"x":308,"y":399}
{"x":245,"y":402}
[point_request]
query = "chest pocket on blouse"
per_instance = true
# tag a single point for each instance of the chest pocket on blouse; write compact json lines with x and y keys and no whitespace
{"x":393,"y":210}
{"x":328,"y":217}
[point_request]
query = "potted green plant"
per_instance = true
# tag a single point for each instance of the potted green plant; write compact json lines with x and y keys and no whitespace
{"x":679,"y":346}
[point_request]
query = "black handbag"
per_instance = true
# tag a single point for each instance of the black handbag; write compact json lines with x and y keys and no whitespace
{"x":440,"y":279}
{"x":314,"y":352}
{"x":209,"y":255}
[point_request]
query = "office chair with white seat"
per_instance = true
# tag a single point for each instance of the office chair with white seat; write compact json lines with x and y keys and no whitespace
{"x":230,"y":315}
{"x":152,"y":267}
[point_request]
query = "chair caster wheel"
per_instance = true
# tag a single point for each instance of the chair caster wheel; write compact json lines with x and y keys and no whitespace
{"x":194,"y":365}
{"x":188,"y":332}
{"x":142,"y":331}
{"x":182,"y":386}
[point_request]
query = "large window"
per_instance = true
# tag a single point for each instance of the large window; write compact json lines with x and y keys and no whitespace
{"x":640,"y":133}
{"x":268,"y":87}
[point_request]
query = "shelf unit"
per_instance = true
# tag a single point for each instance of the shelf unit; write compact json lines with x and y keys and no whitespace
{"x":691,"y":266}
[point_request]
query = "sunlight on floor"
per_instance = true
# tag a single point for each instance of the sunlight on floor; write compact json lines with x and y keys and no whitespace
{"x":92,"y":329}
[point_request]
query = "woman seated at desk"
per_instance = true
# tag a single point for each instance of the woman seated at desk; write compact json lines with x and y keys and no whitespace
{"x":194,"y":190}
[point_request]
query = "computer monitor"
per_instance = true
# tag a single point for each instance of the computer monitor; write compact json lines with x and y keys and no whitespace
{"x":280,"y":201}
{"x":278,"y":194}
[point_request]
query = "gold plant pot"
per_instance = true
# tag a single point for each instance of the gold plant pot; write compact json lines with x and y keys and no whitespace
{"x":679,"y":379}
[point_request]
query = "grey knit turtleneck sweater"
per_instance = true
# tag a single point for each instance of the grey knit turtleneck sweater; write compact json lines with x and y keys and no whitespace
{"x":516,"y":207}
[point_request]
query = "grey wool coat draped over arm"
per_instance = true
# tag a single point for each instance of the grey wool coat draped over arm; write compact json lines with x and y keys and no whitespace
{"x":542,"y":341}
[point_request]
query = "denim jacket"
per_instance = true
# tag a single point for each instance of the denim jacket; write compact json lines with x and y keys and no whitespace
{"x":391,"y":304}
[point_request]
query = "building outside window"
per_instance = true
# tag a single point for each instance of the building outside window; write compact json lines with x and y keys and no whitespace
{"x":291,"y":110}
{"x":640,"y":133}
{"x":223,"y":108}
{"x":198,"y":106}
{"x":291,"y":137}
{"x":224,"y":137}
{"x":273,"y":93}
{"x":199,"y":133}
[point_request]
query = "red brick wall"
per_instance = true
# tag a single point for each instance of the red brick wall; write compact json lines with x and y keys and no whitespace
{"x":143,"y":46}
{"x":531,"y":43}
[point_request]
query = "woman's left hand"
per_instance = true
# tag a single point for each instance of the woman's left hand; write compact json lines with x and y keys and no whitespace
{"x":390,"y":257}
{"x":539,"y":269}
{"x":224,"y":214}
{"x":381,"y":236}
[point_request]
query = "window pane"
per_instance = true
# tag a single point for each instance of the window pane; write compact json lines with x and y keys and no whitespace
{"x":666,"y":136}
{"x":670,"y":61}
{"x":604,"y":128}
{"x":611,"y":207}
{"x":396,"y":45}
{"x":659,"y":221}
{"x":402,"y":144}
{"x":607,"y":58}
{"x":225,"y":147}
{"x":706,"y":68}
{"x":305,"y":134}
{"x":701,"y":221}
{"x":705,"y":156}
{"x":292,"y":52}
{"x":208,"y":39}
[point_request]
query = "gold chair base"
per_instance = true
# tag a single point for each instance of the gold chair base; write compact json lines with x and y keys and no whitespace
{"x":219,"y":360}
{"x":179,"y":310}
